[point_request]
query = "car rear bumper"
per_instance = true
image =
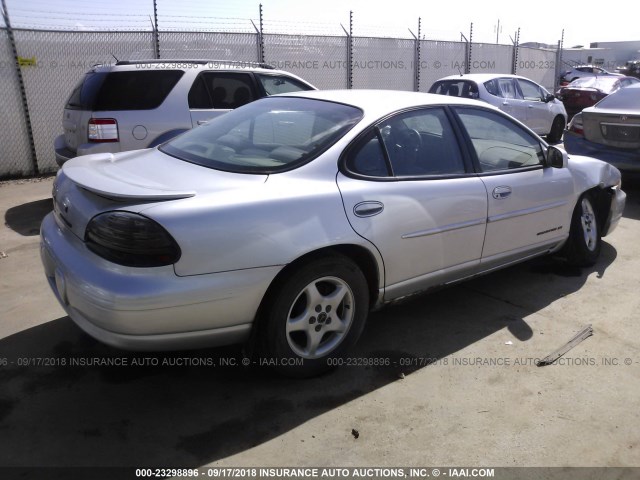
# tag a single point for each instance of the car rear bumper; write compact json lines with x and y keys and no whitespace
{"x":63,"y":153}
{"x":149,"y":308}
{"x":625,"y":160}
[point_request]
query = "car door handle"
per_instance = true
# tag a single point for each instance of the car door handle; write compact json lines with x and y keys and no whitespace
{"x":368,"y":209}
{"x":505,"y":103}
{"x":501,"y":192}
{"x":203,"y":122}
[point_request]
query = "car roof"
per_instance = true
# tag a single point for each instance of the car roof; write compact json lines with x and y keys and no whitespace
{"x":191,"y":64}
{"x":481,"y":77}
{"x":380,"y":102}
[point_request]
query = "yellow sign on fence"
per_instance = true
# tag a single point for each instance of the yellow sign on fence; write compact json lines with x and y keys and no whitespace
{"x":27,"y":62}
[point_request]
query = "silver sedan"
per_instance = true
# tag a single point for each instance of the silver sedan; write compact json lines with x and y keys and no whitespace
{"x":284,"y":222}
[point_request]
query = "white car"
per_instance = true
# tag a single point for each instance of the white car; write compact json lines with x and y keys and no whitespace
{"x":521,"y":98}
{"x":582,"y":71}
{"x":283,"y":222}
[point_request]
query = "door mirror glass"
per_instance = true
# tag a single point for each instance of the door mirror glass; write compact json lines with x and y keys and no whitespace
{"x":556,"y":157}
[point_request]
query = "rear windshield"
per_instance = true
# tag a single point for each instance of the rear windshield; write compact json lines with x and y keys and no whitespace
{"x":603,"y":83}
{"x":271,"y":135}
{"x":455,"y":88}
{"x":624,"y":99}
{"x":136,"y":90}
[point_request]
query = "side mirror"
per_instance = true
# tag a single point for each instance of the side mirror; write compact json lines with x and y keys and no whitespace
{"x":556,"y":157}
{"x":549,"y":98}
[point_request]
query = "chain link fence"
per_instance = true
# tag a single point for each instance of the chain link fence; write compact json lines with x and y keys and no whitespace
{"x":15,"y":150}
{"x":322,"y":61}
{"x":440,"y":59}
{"x":53,"y":61}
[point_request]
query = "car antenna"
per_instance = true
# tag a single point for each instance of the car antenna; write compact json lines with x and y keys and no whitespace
{"x":460,"y":71}
{"x":115,"y":58}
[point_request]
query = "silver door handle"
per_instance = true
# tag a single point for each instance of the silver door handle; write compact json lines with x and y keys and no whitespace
{"x":203,"y":122}
{"x":368,"y":209}
{"x":501,"y":192}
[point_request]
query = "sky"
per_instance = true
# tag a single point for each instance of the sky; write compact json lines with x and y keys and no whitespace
{"x":439,"y":20}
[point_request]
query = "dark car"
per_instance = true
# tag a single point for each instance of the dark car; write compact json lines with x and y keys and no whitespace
{"x":587,"y":91}
{"x":631,"y":68}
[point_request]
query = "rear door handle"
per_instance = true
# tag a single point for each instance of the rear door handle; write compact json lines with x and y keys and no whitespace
{"x":368,"y":209}
{"x":203,"y":122}
{"x":501,"y":192}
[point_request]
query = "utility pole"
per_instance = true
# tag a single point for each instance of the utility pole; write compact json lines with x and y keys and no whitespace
{"x":498,"y":30}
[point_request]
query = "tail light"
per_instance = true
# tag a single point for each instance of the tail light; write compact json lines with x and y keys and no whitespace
{"x":103,"y":130}
{"x":576,"y":125}
{"x":130,"y":239}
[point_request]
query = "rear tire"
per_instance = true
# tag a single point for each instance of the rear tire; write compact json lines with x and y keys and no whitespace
{"x":557,"y":129}
{"x":314,"y":317}
{"x":583,"y":246}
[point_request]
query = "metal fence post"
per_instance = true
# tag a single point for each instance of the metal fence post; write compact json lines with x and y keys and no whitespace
{"x":23,"y":91}
{"x":469,"y":50}
{"x":559,"y":61}
{"x":349,"y":52}
{"x":416,"y":58}
{"x":516,"y":44}
{"x":156,"y":33}
{"x":261,"y":38}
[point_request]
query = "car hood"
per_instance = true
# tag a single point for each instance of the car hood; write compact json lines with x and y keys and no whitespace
{"x":148,"y":175}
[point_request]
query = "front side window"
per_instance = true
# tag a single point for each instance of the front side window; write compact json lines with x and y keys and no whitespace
{"x":530,"y":91}
{"x":274,"y":84}
{"x":499,"y":143}
{"x":271,"y":135}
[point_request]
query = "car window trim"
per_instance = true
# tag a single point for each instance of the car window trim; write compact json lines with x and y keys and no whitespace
{"x":357,"y":143}
{"x":474,"y":155}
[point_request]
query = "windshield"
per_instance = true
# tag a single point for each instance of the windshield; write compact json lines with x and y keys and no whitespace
{"x":602,"y":83}
{"x":271,"y":135}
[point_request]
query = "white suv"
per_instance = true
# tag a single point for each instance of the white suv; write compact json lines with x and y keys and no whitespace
{"x":521,"y":98}
{"x":141,"y":104}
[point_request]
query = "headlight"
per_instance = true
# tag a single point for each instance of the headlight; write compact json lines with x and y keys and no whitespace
{"x":130,"y":239}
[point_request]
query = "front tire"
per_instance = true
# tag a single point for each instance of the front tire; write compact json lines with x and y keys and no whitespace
{"x":584,"y":243}
{"x":315,"y":315}
{"x":557,"y":128}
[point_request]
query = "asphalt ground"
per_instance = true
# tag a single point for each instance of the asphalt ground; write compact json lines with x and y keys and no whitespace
{"x":447,"y":378}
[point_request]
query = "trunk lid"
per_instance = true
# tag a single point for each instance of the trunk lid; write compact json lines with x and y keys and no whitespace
{"x":133,"y":181}
{"x":619,"y":130}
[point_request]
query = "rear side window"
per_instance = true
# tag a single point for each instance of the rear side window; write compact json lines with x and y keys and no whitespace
{"x":84,"y":93}
{"x":455,"y":88}
{"x":135,"y":90}
{"x":274,"y":84}
{"x":224,"y":91}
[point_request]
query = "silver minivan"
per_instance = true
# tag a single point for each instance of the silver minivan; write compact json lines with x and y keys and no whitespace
{"x":140,"y":104}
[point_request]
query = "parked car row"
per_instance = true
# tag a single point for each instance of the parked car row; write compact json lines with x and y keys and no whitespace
{"x":141,"y":104}
{"x":587,"y":91}
{"x":609,"y":130}
{"x":581,"y":71}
